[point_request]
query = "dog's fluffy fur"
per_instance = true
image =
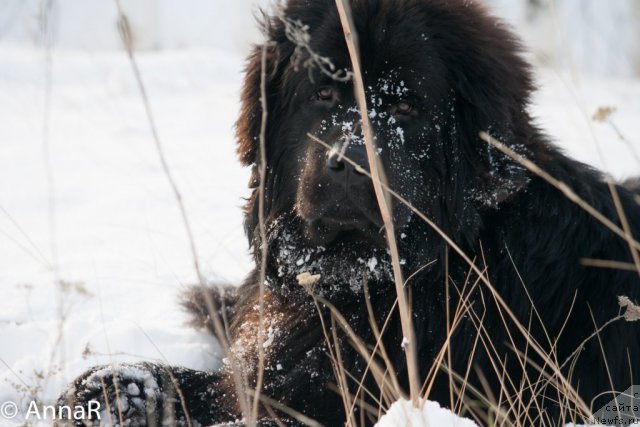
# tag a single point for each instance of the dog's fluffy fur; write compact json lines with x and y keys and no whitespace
{"x":437,"y":72}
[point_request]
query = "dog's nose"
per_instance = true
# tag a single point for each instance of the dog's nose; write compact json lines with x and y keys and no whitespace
{"x":344,"y":172}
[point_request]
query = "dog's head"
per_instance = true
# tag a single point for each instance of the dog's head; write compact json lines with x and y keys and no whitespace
{"x":436,"y":73}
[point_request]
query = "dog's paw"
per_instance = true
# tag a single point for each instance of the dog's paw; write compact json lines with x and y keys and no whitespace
{"x":123,"y":395}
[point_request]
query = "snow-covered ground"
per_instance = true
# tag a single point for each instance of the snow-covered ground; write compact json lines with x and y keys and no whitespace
{"x":103,"y":220}
{"x":402,"y":414}
{"x":120,"y":245}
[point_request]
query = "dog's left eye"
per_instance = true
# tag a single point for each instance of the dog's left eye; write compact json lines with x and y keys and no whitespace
{"x":403,"y":108}
{"x":325,"y":94}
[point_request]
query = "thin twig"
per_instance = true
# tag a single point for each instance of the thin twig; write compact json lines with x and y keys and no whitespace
{"x":174,"y":380}
{"x":263,"y":233}
{"x":383,"y":199}
{"x":589,"y":338}
{"x":608,"y":263}
{"x":625,"y":223}
{"x":46,"y":8}
{"x":112,"y":364}
{"x":287,"y":410}
{"x":125,"y":34}
{"x":343,"y":385}
{"x":298,"y":34}
{"x":42,"y":258}
{"x":47,"y":36}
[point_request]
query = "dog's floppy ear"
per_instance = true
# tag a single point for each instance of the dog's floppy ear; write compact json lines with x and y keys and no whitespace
{"x":249,"y":121}
{"x":492,"y":85}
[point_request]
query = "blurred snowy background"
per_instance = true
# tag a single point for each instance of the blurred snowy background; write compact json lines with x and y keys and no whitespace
{"x":93,"y":251}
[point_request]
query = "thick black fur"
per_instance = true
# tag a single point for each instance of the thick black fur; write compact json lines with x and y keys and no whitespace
{"x":462,"y":73}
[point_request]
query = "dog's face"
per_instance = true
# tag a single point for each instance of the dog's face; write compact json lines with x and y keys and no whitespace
{"x":335,"y":196}
{"x":436,"y":73}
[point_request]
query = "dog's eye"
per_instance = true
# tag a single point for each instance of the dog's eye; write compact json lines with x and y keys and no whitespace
{"x":403,"y":108}
{"x":325,"y":94}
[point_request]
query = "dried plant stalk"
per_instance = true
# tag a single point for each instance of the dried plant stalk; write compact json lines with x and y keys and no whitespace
{"x":383,"y":199}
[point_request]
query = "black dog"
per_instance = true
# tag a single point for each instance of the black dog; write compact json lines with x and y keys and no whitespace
{"x":437,"y":72}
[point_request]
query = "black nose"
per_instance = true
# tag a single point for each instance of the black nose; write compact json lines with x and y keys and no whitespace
{"x":344,"y":172}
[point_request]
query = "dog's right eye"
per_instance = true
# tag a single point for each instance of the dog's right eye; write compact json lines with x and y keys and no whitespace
{"x":325,"y":94}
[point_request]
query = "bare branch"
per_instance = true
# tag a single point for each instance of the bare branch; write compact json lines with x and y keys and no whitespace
{"x":298,"y":34}
{"x":384,"y":202}
{"x":125,"y":34}
{"x":263,"y":232}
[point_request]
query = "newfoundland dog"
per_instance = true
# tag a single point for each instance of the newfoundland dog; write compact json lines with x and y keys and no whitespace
{"x":533,"y":334}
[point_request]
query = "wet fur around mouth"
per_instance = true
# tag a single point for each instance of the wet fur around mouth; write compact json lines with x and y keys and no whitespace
{"x":462,"y":71}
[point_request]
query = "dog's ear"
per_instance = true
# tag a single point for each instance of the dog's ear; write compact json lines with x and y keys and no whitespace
{"x":492,"y":85}
{"x":249,"y":121}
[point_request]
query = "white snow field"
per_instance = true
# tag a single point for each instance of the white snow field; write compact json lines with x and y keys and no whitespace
{"x":120,"y":245}
{"x":93,"y":251}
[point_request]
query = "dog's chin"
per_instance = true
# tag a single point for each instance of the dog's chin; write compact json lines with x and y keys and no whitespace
{"x":330,"y":231}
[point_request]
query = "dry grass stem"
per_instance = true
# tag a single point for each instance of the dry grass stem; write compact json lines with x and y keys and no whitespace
{"x":263,"y":232}
{"x":343,"y":384}
{"x":307,"y":421}
{"x":356,"y":341}
{"x":382,"y":197}
{"x":624,"y":222}
{"x":608,"y":263}
{"x":298,"y":33}
{"x":126,"y":36}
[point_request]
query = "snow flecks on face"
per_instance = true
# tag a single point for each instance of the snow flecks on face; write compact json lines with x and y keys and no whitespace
{"x":391,"y":84}
{"x":333,"y":271}
{"x":347,"y":126}
{"x":382,"y":95}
